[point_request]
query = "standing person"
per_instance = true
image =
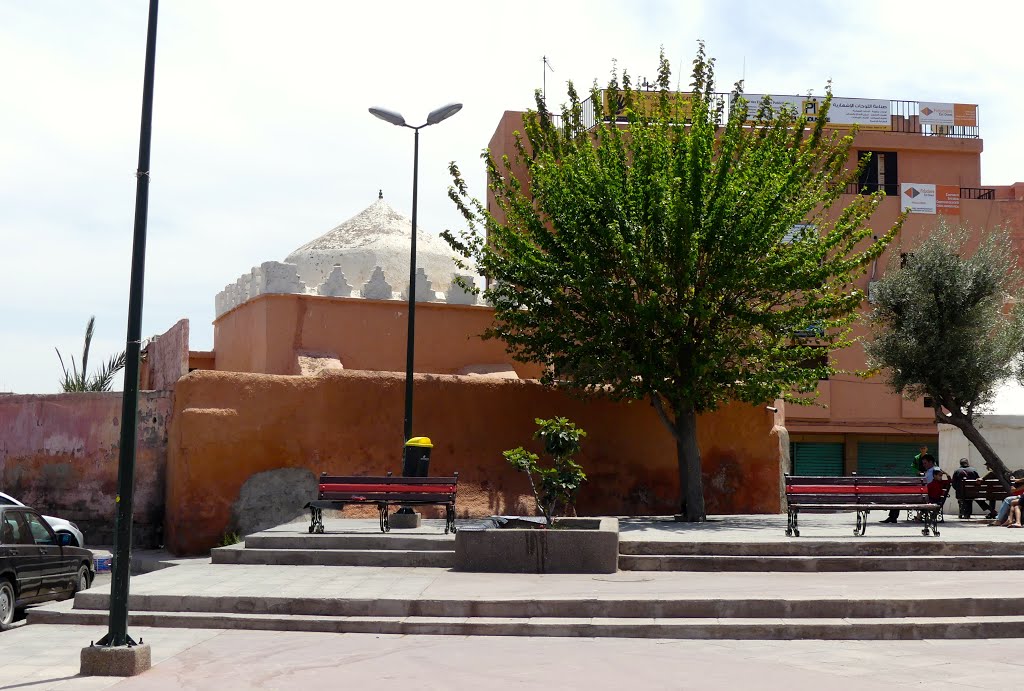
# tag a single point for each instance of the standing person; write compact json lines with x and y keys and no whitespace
{"x":932,"y":472}
{"x":917,"y":465}
{"x":964,"y":472}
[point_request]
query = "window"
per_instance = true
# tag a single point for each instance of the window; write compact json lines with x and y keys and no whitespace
{"x":880,"y":173}
{"x":41,"y":533}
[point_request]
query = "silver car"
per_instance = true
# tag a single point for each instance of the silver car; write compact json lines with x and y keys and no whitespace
{"x":59,"y":525}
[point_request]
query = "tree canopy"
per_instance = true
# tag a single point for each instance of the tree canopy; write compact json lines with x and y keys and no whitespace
{"x":688,"y":252}
{"x":946,"y":325}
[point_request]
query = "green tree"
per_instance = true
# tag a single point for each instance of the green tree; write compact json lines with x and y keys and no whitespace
{"x":676,"y":256}
{"x":946,"y":326}
{"x":76,"y":380}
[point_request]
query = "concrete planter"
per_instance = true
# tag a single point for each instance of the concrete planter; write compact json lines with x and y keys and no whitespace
{"x":575,"y":545}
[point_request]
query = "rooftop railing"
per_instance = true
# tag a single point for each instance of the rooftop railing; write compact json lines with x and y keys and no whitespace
{"x":904,"y":118}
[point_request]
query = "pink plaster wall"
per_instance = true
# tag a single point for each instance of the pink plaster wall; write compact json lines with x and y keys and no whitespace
{"x":167,"y":358}
{"x":59,"y":454}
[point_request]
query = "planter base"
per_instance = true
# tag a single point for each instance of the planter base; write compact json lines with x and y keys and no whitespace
{"x":574,"y":545}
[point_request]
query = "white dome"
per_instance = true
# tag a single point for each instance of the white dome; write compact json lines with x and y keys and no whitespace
{"x":377,"y":236}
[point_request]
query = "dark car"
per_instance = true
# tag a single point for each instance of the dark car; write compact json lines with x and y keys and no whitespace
{"x":35,"y":564}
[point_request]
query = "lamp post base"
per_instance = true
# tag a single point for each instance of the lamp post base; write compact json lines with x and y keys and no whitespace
{"x":404,"y":518}
{"x":116,"y":661}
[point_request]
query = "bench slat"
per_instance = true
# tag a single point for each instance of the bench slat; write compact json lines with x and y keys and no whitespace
{"x":387,"y":480}
{"x":378,"y":487}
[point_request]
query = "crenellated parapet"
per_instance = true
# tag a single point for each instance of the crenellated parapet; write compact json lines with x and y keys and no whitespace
{"x":283,"y":278}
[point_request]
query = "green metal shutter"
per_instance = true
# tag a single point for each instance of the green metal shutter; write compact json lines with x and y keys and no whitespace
{"x":889,"y":459}
{"x":817,"y":458}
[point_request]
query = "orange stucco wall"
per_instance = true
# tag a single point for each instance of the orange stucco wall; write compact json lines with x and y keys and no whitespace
{"x":228,"y":426}
{"x":265,"y":334}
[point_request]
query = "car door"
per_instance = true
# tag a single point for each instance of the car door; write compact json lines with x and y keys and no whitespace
{"x":54,"y":580}
{"x":21,"y":549}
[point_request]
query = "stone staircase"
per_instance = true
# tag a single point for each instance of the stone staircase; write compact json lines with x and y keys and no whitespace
{"x":819,"y":556}
{"x":689,"y":618}
{"x":334,"y":549}
{"x":360,"y":581}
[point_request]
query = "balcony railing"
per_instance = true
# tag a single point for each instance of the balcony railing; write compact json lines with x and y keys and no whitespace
{"x":893,"y":189}
{"x":903,"y":117}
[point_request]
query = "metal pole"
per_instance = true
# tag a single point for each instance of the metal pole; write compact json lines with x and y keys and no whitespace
{"x":117,"y":634}
{"x":410,"y":345}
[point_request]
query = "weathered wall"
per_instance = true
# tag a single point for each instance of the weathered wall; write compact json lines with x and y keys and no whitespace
{"x":167,"y":358}
{"x":265,"y":334}
{"x":59,"y":454}
{"x":228,"y":426}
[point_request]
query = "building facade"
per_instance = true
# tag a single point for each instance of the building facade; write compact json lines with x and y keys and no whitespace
{"x":926,"y":157}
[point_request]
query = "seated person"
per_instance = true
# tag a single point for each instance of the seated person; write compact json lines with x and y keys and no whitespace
{"x":1002,"y":518}
{"x":932,"y":474}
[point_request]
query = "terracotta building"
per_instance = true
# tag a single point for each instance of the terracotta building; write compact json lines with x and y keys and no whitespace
{"x":926,"y":156}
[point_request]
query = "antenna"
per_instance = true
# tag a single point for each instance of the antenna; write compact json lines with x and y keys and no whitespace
{"x":547,"y":66}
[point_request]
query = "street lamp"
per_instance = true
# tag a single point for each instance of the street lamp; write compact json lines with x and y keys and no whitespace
{"x":435,"y":116}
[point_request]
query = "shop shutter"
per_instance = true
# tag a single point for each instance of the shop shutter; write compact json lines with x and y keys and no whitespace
{"x":889,"y":459}
{"x":817,"y":458}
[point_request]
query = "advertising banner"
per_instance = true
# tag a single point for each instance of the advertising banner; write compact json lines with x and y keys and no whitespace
{"x":917,"y":197}
{"x":867,"y":113}
{"x":645,"y":102}
{"x":947,"y":199}
{"x":958,"y":114}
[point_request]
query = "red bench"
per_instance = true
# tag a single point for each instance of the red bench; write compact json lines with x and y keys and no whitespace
{"x":862,"y":495}
{"x":338,"y":491}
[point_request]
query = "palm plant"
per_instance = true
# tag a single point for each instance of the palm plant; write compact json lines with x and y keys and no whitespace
{"x":76,"y":380}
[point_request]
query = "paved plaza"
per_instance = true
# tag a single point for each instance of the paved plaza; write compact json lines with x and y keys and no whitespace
{"x":46,"y":656}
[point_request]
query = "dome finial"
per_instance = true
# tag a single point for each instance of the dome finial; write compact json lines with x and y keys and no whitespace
{"x":380,"y":194}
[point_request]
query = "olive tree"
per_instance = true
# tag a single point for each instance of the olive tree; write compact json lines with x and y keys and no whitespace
{"x":946,"y":325}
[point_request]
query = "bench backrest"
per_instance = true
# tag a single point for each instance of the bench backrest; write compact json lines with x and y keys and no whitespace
{"x":854,"y":489}
{"x":991,"y":488}
{"x":389,"y":488}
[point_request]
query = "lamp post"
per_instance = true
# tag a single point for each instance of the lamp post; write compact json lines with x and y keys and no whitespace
{"x":435,"y":116}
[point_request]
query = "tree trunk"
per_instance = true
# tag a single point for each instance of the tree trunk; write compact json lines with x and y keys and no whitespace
{"x":691,"y":484}
{"x":992,"y":459}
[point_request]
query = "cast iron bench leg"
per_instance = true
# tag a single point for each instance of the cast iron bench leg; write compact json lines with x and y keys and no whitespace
{"x":385,"y":526}
{"x":316,"y":520}
{"x":449,"y":518}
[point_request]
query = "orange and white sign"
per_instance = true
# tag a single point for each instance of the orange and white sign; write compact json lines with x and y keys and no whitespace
{"x":921,"y":198}
{"x":955,"y":114}
{"x":918,"y":198}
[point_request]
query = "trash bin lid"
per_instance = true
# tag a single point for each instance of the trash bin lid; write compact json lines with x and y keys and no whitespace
{"x":420,"y":441}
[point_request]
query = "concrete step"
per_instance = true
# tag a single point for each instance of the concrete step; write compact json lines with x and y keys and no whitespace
{"x":904,"y":628}
{"x":925,"y":607}
{"x":390,"y":541}
{"x":802,"y":547}
{"x":241,"y":554}
{"x":717,"y":562}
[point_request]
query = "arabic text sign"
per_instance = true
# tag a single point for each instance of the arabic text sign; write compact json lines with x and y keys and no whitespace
{"x":867,"y":113}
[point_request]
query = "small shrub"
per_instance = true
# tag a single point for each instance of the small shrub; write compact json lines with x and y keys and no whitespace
{"x":559,"y":483}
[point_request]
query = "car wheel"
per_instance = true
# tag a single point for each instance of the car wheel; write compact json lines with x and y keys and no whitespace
{"x":6,"y":603}
{"x":82,"y":579}
{"x":73,"y":542}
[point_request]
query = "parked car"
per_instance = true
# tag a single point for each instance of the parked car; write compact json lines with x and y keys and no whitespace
{"x":59,"y":525}
{"x":36,"y":564}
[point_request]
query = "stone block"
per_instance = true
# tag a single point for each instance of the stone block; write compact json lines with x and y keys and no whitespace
{"x":336,"y":284}
{"x":377,"y":288}
{"x":457,"y":295}
{"x":574,"y":545}
{"x":116,"y":661}
{"x":402,"y":521}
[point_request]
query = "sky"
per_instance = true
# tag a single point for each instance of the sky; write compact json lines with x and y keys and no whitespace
{"x":262,"y":140}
